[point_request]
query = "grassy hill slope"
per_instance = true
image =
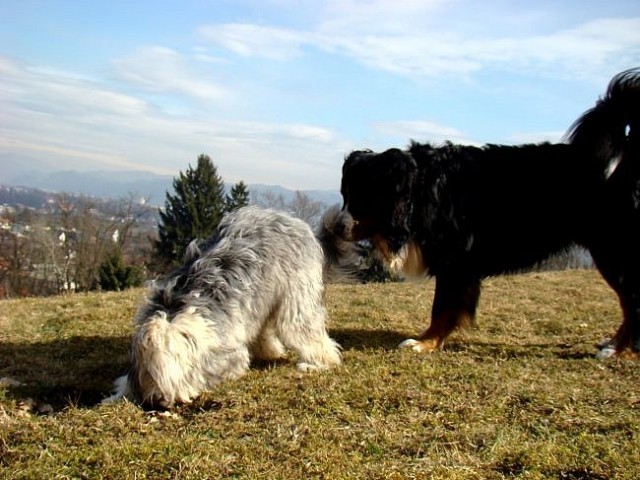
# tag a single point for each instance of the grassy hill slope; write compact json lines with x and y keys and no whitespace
{"x":518,"y":396}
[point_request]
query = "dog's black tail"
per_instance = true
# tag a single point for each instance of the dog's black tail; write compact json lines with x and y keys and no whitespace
{"x":611,"y":130}
{"x":342,"y":259}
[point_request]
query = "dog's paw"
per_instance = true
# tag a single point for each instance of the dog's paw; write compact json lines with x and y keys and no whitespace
{"x":413,"y":344}
{"x":428,"y":345}
{"x":310,"y":367}
{"x":122,"y":391}
{"x":607,"y":349}
{"x":605,"y":353}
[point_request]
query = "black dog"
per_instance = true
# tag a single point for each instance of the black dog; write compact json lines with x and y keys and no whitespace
{"x":462,"y":213}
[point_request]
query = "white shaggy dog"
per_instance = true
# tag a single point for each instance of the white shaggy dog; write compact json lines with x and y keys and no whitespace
{"x":252,"y":290}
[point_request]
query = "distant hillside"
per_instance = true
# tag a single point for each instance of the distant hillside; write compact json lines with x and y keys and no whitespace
{"x":98,"y":183}
{"x":28,"y":197}
{"x":327,"y":197}
{"x":110,"y":184}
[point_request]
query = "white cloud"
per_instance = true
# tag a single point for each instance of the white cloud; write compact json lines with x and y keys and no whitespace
{"x":53,"y":91}
{"x":160,"y":69}
{"x":357,"y":17}
{"x":250,"y":40}
{"x":370,"y":34}
{"x":583,"y":51}
{"x":83,"y":125}
{"x":593,"y":49}
{"x":537,"y":137}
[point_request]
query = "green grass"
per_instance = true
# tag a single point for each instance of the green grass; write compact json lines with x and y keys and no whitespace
{"x":518,"y":396}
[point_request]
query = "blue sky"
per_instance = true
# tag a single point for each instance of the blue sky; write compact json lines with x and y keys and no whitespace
{"x":278,"y":91}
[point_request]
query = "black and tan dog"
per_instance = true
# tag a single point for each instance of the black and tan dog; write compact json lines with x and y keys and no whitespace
{"x":462,"y":213}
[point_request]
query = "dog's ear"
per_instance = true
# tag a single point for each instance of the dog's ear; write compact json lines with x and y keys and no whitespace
{"x":401,"y":170}
{"x":390,"y":172}
{"x":378,"y":188}
{"x":401,"y":174}
{"x":354,"y":168}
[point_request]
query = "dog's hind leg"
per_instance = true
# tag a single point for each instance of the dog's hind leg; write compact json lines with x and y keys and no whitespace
{"x":454,"y":306}
{"x":626,"y":341}
{"x":619,"y":264}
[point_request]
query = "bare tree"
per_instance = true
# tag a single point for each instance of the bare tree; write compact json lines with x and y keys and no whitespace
{"x":301,"y":205}
{"x":62,"y":250}
{"x":270,"y":199}
{"x":15,"y":264}
{"x":98,"y":232}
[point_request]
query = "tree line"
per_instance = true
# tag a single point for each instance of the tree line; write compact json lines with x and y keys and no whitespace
{"x":77,"y":244}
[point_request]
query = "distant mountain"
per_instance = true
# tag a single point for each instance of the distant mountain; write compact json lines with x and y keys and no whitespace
{"x":28,"y":197}
{"x":117,"y":184}
{"x":327,"y":197}
{"x":14,"y":165}
{"x":112,"y":184}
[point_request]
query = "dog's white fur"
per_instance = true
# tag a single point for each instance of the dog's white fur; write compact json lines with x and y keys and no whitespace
{"x":253,"y":290}
{"x":406,"y":262}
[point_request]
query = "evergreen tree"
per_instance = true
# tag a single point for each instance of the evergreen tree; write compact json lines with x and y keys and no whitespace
{"x":239,"y":196}
{"x":192,"y":212}
{"x":114,"y":275}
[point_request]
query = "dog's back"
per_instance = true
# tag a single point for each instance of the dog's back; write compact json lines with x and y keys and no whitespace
{"x":251,"y":247}
{"x":499,"y":208}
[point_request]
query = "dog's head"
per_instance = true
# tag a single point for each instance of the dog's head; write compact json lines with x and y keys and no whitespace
{"x":377,"y":190}
{"x":165,"y":354}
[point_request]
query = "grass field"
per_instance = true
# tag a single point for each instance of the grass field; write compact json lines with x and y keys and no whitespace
{"x":518,"y":396}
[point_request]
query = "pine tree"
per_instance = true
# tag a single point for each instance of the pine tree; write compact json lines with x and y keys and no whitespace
{"x":114,"y":275}
{"x":239,"y":196}
{"x":192,"y":212}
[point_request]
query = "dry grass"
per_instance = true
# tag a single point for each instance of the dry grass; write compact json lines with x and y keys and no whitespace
{"x":520,"y":396}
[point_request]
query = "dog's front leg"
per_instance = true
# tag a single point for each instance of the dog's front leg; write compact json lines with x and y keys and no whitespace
{"x":454,"y":306}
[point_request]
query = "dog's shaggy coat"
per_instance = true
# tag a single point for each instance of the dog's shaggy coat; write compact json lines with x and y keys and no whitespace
{"x":461,"y":213}
{"x":252,"y":290}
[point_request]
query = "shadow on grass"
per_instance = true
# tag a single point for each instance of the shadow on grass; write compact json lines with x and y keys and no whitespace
{"x":80,"y":370}
{"x":504,"y":350}
{"x":349,"y":339}
{"x":361,"y":339}
{"x":75,"y":371}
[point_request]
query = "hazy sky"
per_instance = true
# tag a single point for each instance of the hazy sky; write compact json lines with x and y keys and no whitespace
{"x":278,"y":91}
